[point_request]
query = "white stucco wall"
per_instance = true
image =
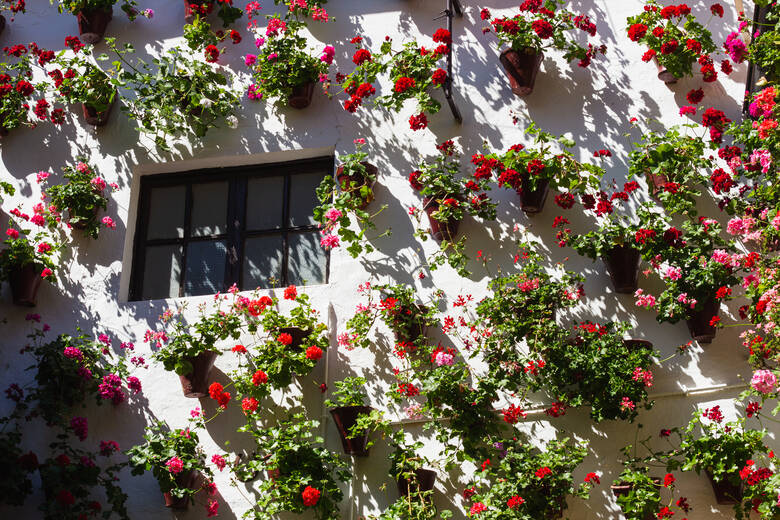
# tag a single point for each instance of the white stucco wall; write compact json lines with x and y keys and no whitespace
{"x":593,"y":106}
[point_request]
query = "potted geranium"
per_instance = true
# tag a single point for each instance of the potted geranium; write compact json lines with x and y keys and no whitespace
{"x":70,"y":478}
{"x":719,"y":450}
{"x":285,"y":69}
{"x":674,"y":167}
{"x":349,"y":194}
{"x":447,"y":198}
{"x":289,"y":343}
{"x":675,"y":40}
{"x":70,"y":370}
{"x":15,"y":482}
{"x":30,"y":256}
{"x":347,"y":404}
{"x":190,"y":350}
{"x":593,"y":365}
{"x":198,"y":9}
{"x":78,"y":80}
{"x":698,"y":268}
{"x":615,"y":242}
{"x":309,"y":8}
{"x":414,"y":71}
{"x":522,"y":307}
{"x":93,"y":16}
{"x":531,"y":172}
{"x":637,"y":493}
{"x":17,"y":87}
{"x":12,"y":6}
{"x":409,"y":470}
{"x":176,"y":95}
{"x":81,"y":197}
{"x":762,"y":48}
{"x":532,"y":483}
{"x":539,"y":26}
{"x":303,"y":474}
{"x":397,"y":306}
{"x":177,"y":462}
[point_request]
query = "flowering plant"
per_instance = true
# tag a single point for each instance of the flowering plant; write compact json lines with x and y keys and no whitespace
{"x":762,"y":51}
{"x":178,"y":343}
{"x":69,"y":481}
{"x":81,"y":196}
{"x":719,"y":449}
{"x":397,"y":307}
{"x":541,"y":25}
{"x":613,"y":231}
{"x":175,"y":459}
{"x":69,"y":370}
{"x":17,"y":88}
{"x":520,"y":481}
{"x":413,"y":70}
{"x":521,"y":168}
{"x":697,"y":265}
{"x":76,"y":6}
{"x":174,"y":95}
{"x":288,"y":343}
{"x":522,"y":307}
{"x":15,"y":483}
{"x":674,"y":165}
{"x":305,"y":473}
{"x":447,"y":198}
{"x":14,"y":6}
{"x":350,"y":391}
{"x":675,"y":38}
{"x":82,"y":81}
{"x":643,"y":498}
{"x":30,"y":246}
{"x":348,"y":194}
{"x":759,"y":489}
{"x":593,"y":367}
{"x":310,"y":8}
{"x":284,"y":61}
{"x":763,"y":312}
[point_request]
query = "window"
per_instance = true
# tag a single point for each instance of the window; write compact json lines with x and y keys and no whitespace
{"x":201,"y":232}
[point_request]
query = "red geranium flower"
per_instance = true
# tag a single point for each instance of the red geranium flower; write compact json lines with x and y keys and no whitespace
{"x":314,"y":353}
{"x":310,"y":496}
{"x":284,"y":338}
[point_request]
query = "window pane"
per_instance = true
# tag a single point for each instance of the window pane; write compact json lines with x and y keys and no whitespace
{"x":303,"y":197}
{"x":205,"y":272}
{"x":264,"y":203}
{"x":307,"y":259}
{"x":262,"y":262}
{"x":209,"y":208}
{"x":166,"y":213}
{"x":162,"y":270}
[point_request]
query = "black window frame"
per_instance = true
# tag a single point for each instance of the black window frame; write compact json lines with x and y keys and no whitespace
{"x":236,"y":233}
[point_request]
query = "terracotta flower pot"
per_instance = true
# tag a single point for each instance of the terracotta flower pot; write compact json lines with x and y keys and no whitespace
{"x":532,"y":201}
{"x":725,"y":491}
{"x":93,"y":23}
{"x":81,"y":225}
{"x":446,"y":230}
{"x":95,"y":118}
{"x":521,"y":68}
{"x":623,"y":488}
{"x":301,"y":96}
{"x":663,"y":74}
{"x":196,"y":383}
{"x":186,"y":480}
{"x":298,"y":335}
{"x":25,"y":282}
{"x":699,"y":321}
{"x":346,"y":180}
{"x":345,"y":418}
{"x":656,"y":183}
{"x":623,"y":268}
{"x":424,"y":478}
{"x":409,"y":332}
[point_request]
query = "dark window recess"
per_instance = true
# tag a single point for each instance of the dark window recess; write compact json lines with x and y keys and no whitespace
{"x":201,"y":232}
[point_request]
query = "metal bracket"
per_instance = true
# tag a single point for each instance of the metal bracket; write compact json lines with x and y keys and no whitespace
{"x":453,"y":7}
